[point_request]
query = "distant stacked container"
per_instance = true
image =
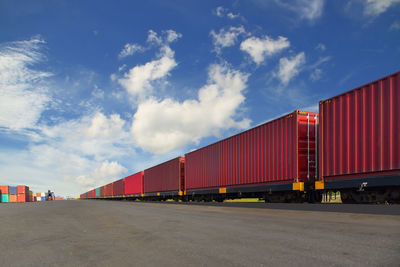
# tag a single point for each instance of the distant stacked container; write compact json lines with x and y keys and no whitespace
{"x":4,"y":193}
{"x":38,"y":196}
{"x":12,"y":194}
{"x":43,"y":196}
{"x":98,"y":192}
{"x":23,"y":193}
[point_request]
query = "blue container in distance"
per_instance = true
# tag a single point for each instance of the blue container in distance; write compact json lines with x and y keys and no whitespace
{"x":43,"y":198}
{"x":4,"y":198}
{"x":12,"y":190}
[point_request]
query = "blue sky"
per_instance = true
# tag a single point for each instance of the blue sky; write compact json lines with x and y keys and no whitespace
{"x":92,"y":91}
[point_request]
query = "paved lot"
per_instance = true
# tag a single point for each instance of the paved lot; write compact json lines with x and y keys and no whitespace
{"x":110,"y":233}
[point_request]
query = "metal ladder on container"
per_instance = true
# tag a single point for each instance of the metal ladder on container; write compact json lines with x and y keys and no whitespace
{"x":312,"y":164}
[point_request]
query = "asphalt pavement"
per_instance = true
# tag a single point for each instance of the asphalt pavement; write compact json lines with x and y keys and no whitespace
{"x":114,"y":233}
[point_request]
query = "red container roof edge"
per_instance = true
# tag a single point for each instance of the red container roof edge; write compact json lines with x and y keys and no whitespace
{"x":181,"y":159}
{"x":255,"y":127}
{"x":360,"y":87}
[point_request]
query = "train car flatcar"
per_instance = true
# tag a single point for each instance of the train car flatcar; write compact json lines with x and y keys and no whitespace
{"x":165,"y":180}
{"x":276,"y":161}
{"x":134,"y":186}
{"x":360,"y":142}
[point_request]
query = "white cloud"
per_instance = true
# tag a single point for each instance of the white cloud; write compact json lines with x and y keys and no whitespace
{"x":316,"y":75}
{"x":290,"y":67}
{"x":23,"y":92}
{"x":226,"y":38}
{"x":162,"y":126}
{"x":260,"y":48}
{"x":104,"y":127}
{"x":153,"y":39}
{"x":140,"y":79}
{"x":172,"y":36}
{"x":105,"y":173}
{"x":71,"y":150}
{"x":97,"y":92}
{"x":224,"y":12}
{"x":219,"y":11}
{"x":377,"y":7}
{"x":130,"y":49}
{"x":305,"y":9}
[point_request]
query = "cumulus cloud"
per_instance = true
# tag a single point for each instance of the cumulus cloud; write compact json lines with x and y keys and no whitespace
{"x":140,"y":79}
{"x":261,"y":48}
{"x":162,"y":126}
{"x":80,"y":150}
{"x":23,"y":92}
{"x":105,"y":173}
{"x":306,"y":9}
{"x":226,"y":38}
{"x":376,"y":7}
{"x":290,"y":67}
{"x":101,"y":126}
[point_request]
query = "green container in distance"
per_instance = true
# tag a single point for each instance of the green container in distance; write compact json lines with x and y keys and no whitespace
{"x":98,"y":192}
{"x":4,"y":198}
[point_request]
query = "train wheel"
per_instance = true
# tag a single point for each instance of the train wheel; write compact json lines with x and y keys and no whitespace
{"x":346,"y":197}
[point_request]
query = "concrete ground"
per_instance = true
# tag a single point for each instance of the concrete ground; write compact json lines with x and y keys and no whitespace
{"x":111,"y":233}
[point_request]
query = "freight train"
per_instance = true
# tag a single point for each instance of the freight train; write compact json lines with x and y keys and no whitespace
{"x":352,"y":146}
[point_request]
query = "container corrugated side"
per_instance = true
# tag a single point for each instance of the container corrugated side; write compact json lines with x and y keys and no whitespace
{"x":134,"y":184}
{"x":108,"y":190}
{"x":360,"y":131}
{"x":167,"y":176}
{"x":274,"y":152}
{"x":4,"y":189}
{"x":118,"y":187}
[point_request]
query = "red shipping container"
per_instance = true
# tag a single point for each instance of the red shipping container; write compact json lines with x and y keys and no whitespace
{"x":102,"y":191}
{"x":108,"y":190}
{"x":134,"y":184}
{"x":167,"y":176}
{"x":22,"y":189}
{"x":93,"y":193}
{"x":22,"y":198}
{"x":280,"y":151}
{"x":12,"y":198}
{"x":360,"y":131}
{"x":4,"y":189}
{"x":118,"y":187}
{"x":34,"y":199}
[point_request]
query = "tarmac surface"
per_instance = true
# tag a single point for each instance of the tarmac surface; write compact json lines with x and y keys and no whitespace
{"x":113,"y":233}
